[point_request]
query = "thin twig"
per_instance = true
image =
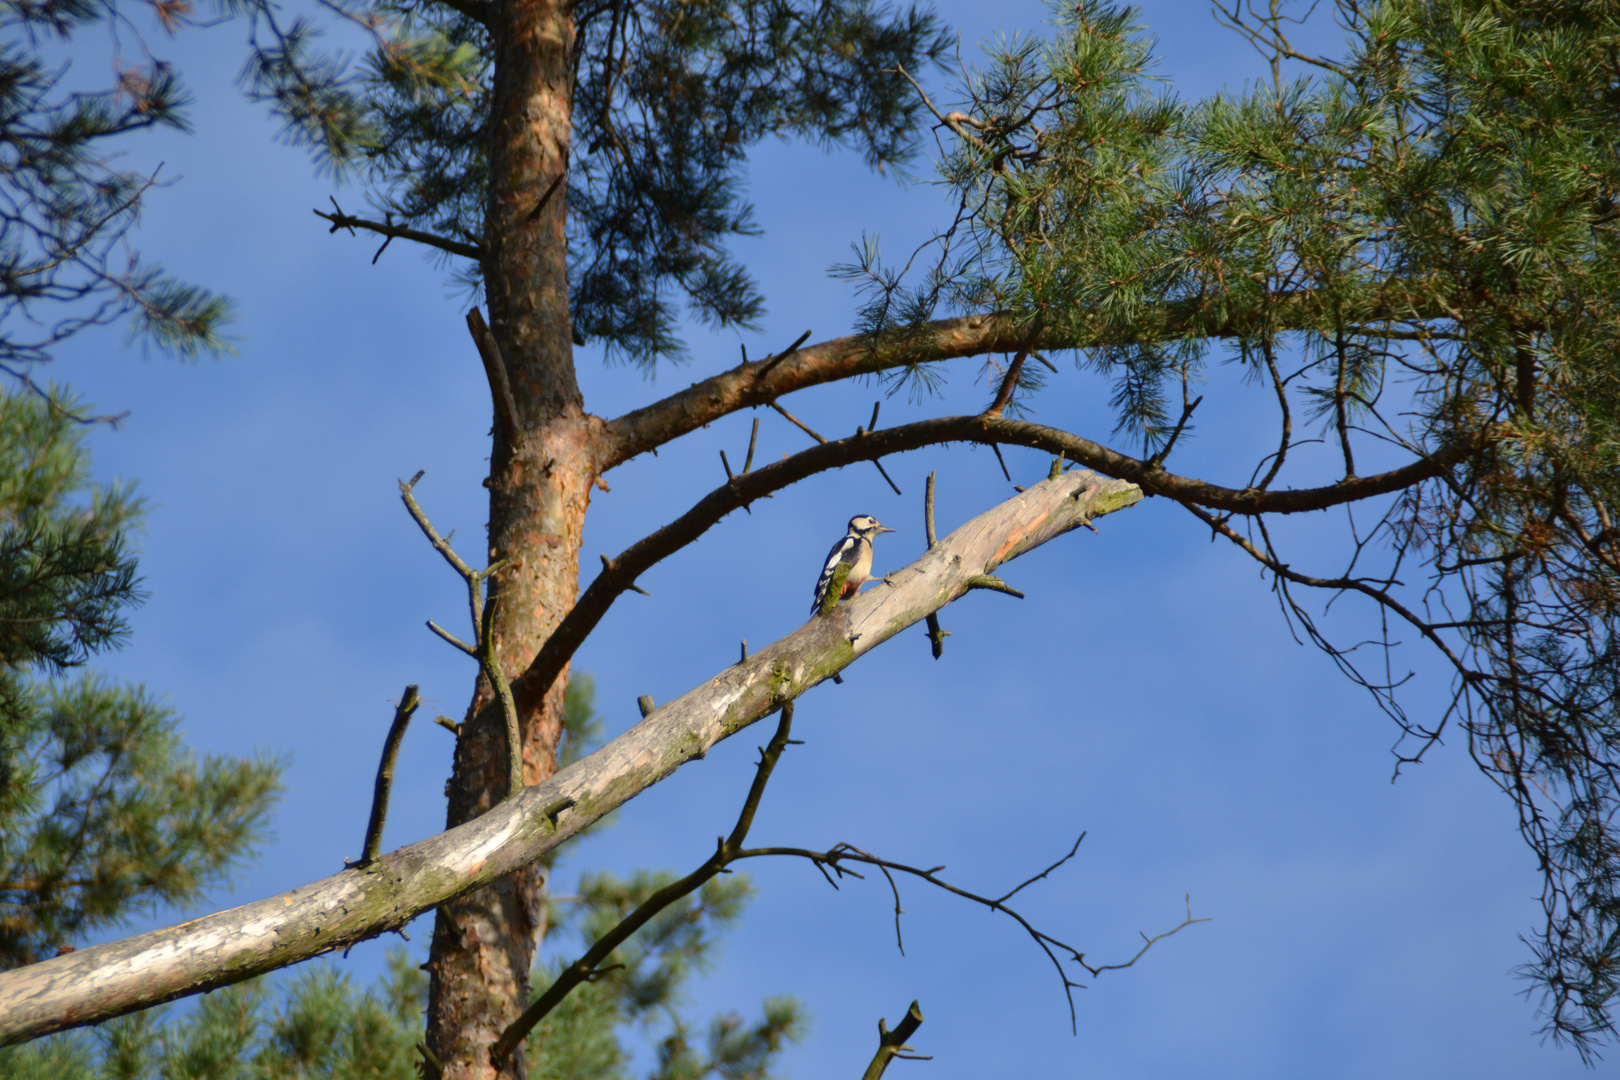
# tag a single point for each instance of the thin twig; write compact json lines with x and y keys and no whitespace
{"x":796,"y":422}
{"x":385,"y":775}
{"x":534,"y":215}
{"x":993,"y":583}
{"x":483,"y":620}
{"x":885,"y":473}
{"x":489,"y":659}
{"x":772,"y":361}
{"x":433,"y":1067}
{"x":1024,"y":885}
{"x":1001,"y":461}
{"x":834,"y":858}
{"x":861,"y":433}
{"x":591,"y":963}
{"x":928,"y":512}
{"x":753,"y":438}
{"x":953,"y":120}
{"x":475,"y":597}
{"x":451,"y":638}
{"x":1287,"y":416}
{"x":1164,"y":451}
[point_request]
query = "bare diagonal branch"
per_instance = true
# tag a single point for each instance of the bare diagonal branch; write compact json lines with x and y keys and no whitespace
{"x":111,"y":979}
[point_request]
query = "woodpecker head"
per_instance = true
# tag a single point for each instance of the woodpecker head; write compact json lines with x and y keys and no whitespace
{"x":866,"y":526}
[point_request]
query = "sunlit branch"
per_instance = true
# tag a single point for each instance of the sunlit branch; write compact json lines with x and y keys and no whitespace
{"x":102,"y":981}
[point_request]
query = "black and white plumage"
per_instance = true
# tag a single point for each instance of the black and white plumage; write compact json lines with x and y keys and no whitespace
{"x":855,"y":550}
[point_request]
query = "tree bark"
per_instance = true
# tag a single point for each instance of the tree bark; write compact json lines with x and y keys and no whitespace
{"x":104,"y":981}
{"x":540,"y":480}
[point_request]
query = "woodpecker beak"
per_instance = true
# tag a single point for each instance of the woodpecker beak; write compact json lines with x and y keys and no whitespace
{"x":884,"y":529}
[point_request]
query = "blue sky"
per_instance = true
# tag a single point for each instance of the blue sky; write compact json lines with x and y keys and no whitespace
{"x":1147,"y":692}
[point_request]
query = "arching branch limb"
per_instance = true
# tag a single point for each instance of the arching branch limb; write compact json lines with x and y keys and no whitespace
{"x":103,"y":981}
{"x":761,"y":382}
{"x":737,"y":492}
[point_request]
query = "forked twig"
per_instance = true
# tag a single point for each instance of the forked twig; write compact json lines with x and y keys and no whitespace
{"x":483,"y":621}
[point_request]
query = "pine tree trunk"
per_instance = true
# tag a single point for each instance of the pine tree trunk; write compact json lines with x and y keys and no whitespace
{"x":540,"y":481}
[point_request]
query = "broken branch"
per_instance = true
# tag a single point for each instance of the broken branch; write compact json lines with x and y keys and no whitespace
{"x":500,"y":387}
{"x":385,"y":775}
{"x":892,"y":1044}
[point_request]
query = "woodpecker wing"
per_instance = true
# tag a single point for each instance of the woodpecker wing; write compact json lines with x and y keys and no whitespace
{"x":843,"y":551}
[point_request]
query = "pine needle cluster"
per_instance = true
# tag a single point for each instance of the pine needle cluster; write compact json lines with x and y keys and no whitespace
{"x":1415,"y":249}
{"x":103,"y":813}
{"x":66,"y":205}
{"x":668,"y":98}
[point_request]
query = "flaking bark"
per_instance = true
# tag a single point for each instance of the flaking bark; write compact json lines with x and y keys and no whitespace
{"x":104,"y":981}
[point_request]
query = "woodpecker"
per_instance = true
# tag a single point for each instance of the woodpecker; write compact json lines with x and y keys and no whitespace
{"x":855,"y":549}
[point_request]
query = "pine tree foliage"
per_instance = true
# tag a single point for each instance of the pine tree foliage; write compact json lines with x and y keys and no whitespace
{"x":319,"y":1024}
{"x":668,"y":98}
{"x":66,"y":206}
{"x":1414,"y":247}
{"x":103,"y":813}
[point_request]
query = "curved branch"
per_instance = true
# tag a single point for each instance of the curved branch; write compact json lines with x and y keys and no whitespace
{"x":1345,"y":584}
{"x":741,"y":490}
{"x":761,"y":382}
